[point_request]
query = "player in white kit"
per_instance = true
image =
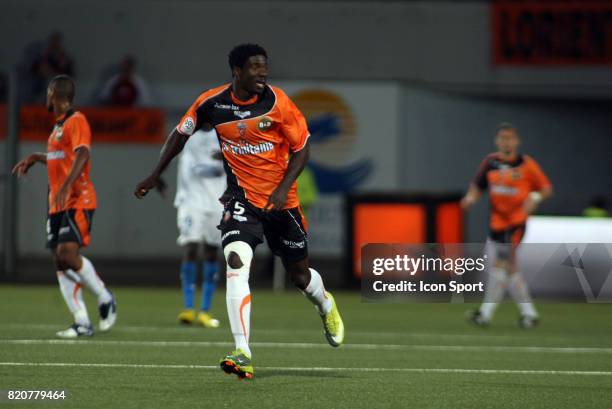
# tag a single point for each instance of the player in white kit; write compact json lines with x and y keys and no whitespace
{"x":201,"y":182}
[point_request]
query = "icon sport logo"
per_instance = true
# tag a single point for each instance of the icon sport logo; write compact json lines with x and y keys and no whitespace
{"x":333,"y":130}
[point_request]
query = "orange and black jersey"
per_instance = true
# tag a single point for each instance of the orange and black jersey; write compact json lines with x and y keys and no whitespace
{"x":71,"y":131}
{"x":509,"y":183}
{"x":256,"y":137}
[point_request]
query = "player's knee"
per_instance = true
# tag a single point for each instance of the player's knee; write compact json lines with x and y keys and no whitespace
{"x":66,"y":258}
{"x":238,"y":254}
{"x":234,"y":261}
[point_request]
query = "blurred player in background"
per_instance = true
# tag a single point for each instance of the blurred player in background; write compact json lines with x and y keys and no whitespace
{"x":264,"y":141}
{"x":72,"y":202}
{"x":598,"y":207}
{"x":516,"y":186}
{"x":200,"y":184}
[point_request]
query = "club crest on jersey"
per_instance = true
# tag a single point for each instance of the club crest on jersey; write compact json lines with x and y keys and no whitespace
{"x":58,"y":133}
{"x":516,"y":174}
{"x":242,"y":127}
{"x":264,"y":124}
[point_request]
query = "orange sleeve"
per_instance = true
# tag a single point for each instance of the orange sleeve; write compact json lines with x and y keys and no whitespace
{"x":294,"y":124}
{"x":80,"y":132}
{"x":189,"y":123}
{"x":538,"y":178}
{"x":194,"y":117}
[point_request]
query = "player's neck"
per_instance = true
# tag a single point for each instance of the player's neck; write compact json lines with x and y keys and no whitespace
{"x":508,"y":156}
{"x":240,"y":93}
{"x":60,"y":110}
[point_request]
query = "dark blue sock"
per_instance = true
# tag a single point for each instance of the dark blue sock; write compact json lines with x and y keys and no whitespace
{"x":209,"y":284}
{"x":189,"y":271}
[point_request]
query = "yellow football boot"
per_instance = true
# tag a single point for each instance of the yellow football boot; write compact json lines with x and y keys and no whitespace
{"x":207,"y":321}
{"x":187,"y":317}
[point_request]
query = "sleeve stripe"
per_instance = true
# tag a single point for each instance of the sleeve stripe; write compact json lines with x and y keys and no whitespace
{"x":179,"y":130}
{"x":301,"y":146}
{"x":82,"y":145}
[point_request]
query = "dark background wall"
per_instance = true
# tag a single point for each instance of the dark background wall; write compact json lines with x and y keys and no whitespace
{"x":441,"y":43}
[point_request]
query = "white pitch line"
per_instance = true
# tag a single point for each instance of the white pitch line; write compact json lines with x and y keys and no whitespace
{"x":183,"y":330}
{"x":322,"y":369}
{"x":308,"y":345}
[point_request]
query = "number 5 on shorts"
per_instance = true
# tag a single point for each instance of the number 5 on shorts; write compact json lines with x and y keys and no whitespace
{"x":238,"y":212}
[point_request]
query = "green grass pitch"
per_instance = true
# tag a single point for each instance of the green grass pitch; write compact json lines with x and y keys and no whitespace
{"x":395,"y":355}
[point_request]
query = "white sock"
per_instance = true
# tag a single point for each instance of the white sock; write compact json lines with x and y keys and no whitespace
{"x":70,"y":287}
{"x":315,"y":292}
{"x":238,"y":295}
{"x":520,"y":294}
{"x":92,"y":281}
{"x":494,"y":292}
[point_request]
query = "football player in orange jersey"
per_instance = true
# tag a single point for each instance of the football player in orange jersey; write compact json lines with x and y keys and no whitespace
{"x":72,"y":202}
{"x":264,"y":141}
{"x":516,"y":186}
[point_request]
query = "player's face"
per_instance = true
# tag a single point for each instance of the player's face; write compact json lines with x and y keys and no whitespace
{"x":50,"y":92}
{"x":253,"y":76}
{"x":507,"y":141}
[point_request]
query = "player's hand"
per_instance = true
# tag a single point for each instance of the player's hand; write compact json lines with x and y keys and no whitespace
{"x":151,"y":182}
{"x":530,"y":205}
{"x":467,"y":202}
{"x":61,"y":197}
{"x":277,"y":199}
{"x":21,"y":168}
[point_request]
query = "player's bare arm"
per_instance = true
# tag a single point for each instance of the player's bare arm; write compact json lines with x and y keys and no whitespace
{"x":22,"y":167}
{"x":471,"y":197}
{"x":173,"y":146}
{"x":298,"y":160}
{"x":81,"y":158}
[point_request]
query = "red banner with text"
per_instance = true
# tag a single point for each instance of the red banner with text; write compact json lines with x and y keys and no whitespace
{"x":108,"y":125}
{"x":551,"y":32}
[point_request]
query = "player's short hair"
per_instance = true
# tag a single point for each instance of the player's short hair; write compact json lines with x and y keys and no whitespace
{"x":506,"y":126}
{"x":63,"y":87}
{"x":242,"y":52}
